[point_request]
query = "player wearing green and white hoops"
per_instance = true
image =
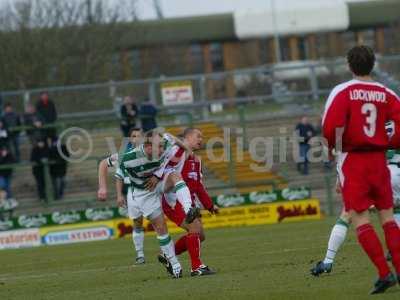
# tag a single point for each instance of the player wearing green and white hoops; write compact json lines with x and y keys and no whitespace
{"x":140,"y":165}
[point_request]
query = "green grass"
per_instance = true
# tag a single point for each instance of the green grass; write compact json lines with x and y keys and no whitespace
{"x":263,"y":262}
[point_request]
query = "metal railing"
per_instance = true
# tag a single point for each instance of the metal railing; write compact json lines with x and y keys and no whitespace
{"x":87,"y":105}
{"x":88,"y":197}
{"x":285,"y":82}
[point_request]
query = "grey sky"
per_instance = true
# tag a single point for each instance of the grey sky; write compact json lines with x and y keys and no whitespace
{"x":180,"y":8}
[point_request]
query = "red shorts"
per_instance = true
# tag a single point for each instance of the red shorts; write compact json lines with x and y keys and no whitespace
{"x":365,"y":180}
{"x":176,"y":214}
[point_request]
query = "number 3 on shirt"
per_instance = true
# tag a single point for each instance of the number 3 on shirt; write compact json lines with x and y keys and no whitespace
{"x":369,"y":110}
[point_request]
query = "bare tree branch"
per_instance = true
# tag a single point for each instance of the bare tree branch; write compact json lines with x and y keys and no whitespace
{"x":56,"y":42}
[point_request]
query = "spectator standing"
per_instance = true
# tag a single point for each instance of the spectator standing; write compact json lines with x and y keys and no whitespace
{"x":318,"y":132}
{"x":4,"y":136}
{"x":148,"y":114}
{"x":32,"y":119}
{"x":40,"y":152}
{"x":12,"y":119}
{"x":129,"y":112}
{"x":305,"y":131}
{"x":58,"y":168}
{"x":6,"y":158}
{"x":47,"y":110}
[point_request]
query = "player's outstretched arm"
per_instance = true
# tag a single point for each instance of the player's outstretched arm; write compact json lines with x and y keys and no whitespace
{"x":180,"y":143}
{"x":205,"y":198}
{"x":202,"y":193}
{"x":102,"y":191}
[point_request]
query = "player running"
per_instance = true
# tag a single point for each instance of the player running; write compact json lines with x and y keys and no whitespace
{"x":354,"y":125}
{"x":124,"y":194}
{"x":190,"y":169}
{"x":339,"y":230}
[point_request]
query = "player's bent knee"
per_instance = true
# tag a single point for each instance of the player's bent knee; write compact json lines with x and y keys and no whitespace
{"x":158,"y":222}
{"x":386,"y":215}
{"x":345,"y":216}
{"x":138,"y":223}
{"x":359,"y":218}
{"x":194,"y":227}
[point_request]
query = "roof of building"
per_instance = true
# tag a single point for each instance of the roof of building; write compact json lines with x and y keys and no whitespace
{"x":178,"y":30}
{"x":222,"y":26}
{"x":373,"y":13}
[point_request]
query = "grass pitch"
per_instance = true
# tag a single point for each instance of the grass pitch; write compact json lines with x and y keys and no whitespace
{"x":263,"y":262}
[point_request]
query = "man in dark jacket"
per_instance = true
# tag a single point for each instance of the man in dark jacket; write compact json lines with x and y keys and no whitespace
{"x":6,"y":158}
{"x":148,"y":113}
{"x":129,"y":113}
{"x":12,"y":119}
{"x":40,"y":152}
{"x":58,"y":168}
{"x":4,"y":135}
{"x":306,"y":131}
{"x":47,"y":110}
{"x":32,"y":119}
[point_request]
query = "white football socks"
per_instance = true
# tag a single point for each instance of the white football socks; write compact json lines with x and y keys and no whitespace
{"x":138,"y":241}
{"x":168,"y":248}
{"x":336,"y":239}
{"x":183,"y":195}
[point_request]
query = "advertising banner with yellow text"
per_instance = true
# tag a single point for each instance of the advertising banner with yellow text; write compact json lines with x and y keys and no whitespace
{"x":257,"y":214}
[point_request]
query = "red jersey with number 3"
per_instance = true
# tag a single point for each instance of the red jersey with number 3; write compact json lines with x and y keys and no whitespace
{"x":360,"y":110}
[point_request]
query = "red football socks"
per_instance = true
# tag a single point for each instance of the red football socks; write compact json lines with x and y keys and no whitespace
{"x":193,"y":246}
{"x":180,"y":245}
{"x":190,"y":243}
{"x":369,"y":241}
{"x":392,"y":237}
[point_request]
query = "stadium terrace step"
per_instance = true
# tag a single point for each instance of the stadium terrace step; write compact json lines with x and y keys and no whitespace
{"x":220,"y":169}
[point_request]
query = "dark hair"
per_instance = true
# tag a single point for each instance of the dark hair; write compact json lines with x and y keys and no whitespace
{"x":189,"y":131}
{"x":134,"y":129}
{"x":8,"y":104}
{"x":149,"y":135}
{"x":361,"y":60}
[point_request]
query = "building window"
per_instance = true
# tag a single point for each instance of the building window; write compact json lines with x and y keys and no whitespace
{"x":303,"y":50}
{"x":266,"y":53}
{"x":349,"y":39}
{"x":392,"y":44}
{"x":135,"y":63}
{"x":217,"y":60}
{"x":322,"y":43}
{"x":197,"y":60}
{"x":285,"y":48}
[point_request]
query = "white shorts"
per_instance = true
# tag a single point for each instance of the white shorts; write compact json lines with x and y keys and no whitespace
{"x":395,"y":181}
{"x":143,"y":203}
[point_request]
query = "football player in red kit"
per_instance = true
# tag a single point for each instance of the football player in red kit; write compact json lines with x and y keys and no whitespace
{"x":190,"y":168}
{"x":354,"y":125}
